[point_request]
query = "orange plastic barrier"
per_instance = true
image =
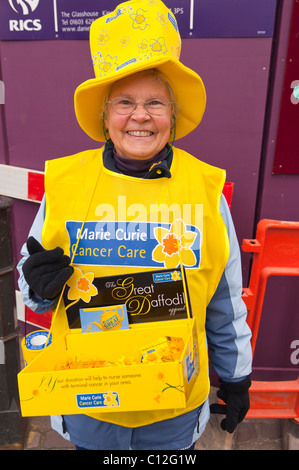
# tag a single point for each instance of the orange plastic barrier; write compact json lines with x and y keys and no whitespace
{"x":275,"y":253}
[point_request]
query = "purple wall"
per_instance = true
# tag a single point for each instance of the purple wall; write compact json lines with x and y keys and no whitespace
{"x":235,"y":72}
{"x":278,"y":199}
{"x":40,"y":79}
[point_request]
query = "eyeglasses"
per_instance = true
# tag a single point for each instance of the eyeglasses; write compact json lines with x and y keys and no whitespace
{"x":123,"y":106}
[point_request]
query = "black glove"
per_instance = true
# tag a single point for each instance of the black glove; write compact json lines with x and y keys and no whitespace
{"x":236,"y":397}
{"x":46,"y":271}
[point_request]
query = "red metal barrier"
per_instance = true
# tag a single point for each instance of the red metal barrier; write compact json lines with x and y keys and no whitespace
{"x":275,"y":253}
{"x":22,"y":183}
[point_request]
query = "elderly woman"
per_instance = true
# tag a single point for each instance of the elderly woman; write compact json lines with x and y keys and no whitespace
{"x":141,"y":100}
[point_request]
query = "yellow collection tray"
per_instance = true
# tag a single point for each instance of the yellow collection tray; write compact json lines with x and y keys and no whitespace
{"x":44,"y":390}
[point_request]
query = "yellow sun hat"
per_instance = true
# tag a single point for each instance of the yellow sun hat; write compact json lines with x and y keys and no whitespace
{"x":138,"y":35}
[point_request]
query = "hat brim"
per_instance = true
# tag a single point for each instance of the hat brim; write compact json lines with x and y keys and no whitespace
{"x":188,"y":88}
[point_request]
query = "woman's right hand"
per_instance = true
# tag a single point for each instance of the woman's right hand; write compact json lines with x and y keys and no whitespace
{"x":46,"y":271}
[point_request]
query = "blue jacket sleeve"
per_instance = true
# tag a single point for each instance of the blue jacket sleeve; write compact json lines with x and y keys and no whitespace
{"x":34,"y":302}
{"x":228,"y":334}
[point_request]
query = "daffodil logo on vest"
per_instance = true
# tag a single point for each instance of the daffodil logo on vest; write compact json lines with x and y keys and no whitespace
{"x":149,"y":244}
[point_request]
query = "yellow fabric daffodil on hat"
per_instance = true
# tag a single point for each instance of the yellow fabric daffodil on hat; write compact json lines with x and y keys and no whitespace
{"x":139,"y":19}
{"x":174,"y":245}
{"x":81,"y":286}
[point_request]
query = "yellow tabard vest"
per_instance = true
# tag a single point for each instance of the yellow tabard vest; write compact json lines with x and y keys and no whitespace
{"x":79,"y":188}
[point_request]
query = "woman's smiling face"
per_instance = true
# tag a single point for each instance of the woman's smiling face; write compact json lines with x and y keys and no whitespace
{"x":139,"y":135}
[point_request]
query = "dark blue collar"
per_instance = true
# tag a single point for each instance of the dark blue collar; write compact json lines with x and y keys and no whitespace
{"x":156,"y":170}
